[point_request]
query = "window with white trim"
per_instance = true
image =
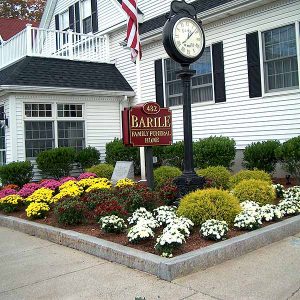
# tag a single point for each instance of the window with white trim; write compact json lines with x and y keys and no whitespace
{"x":86,"y":13}
{"x":280,"y":58}
{"x":64,"y":21}
{"x":41,"y":124}
{"x":202,"y":86}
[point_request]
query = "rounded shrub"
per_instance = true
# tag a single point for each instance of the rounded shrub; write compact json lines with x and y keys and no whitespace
{"x":88,"y":157}
{"x":165,"y":173}
{"x":259,"y":191}
{"x":56,"y":162}
{"x":203,"y":205}
{"x":102,"y":170}
{"x":249,"y":174}
{"x":261,"y":156}
{"x":116,"y":151}
{"x":218,"y":177}
{"x":17,"y":172}
{"x":214,"y":151}
{"x":289,"y":154}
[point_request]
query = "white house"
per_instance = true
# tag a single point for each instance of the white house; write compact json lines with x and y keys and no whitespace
{"x":66,"y":82}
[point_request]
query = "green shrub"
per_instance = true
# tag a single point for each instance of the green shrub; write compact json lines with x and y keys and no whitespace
{"x":102,"y":170}
{"x":18,"y":173}
{"x":249,"y":174}
{"x":203,"y":205}
{"x":289,"y":154}
{"x":70,"y":211}
{"x":261,"y":156}
{"x":173,"y":155}
{"x":255,"y":190}
{"x":165,"y":173}
{"x":56,"y":162}
{"x":116,"y":151}
{"x":214,"y":151}
{"x":88,"y":157}
{"x":218,"y":176}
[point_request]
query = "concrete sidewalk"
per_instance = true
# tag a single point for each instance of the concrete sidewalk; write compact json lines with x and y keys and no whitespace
{"x":31,"y":268}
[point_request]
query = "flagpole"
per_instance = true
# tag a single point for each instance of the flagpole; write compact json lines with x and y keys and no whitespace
{"x":139,"y":100}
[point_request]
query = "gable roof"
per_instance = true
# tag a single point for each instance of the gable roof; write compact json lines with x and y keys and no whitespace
{"x":10,"y":27}
{"x":60,"y":73}
{"x":200,"y":5}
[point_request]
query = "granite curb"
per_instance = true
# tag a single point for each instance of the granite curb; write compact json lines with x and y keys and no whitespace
{"x":166,"y":269}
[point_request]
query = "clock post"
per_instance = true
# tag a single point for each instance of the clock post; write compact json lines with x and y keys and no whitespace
{"x":184,"y":41}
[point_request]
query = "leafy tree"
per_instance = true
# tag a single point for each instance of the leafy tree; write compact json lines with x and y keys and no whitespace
{"x":22,"y":9}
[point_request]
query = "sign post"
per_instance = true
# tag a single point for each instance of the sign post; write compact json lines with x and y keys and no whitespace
{"x":147,"y":125}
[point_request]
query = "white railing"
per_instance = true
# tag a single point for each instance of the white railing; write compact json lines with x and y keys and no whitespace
{"x":54,"y":43}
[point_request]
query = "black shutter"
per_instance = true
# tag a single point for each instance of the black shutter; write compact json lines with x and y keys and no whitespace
{"x":77,"y":17}
{"x":218,"y":70}
{"x":57,"y":28}
{"x":159,"y":84}
{"x":71,"y":17}
{"x":253,"y":59}
{"x":94,"y":16}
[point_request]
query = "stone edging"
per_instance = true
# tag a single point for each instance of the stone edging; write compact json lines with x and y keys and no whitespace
{"x":167,"y":269}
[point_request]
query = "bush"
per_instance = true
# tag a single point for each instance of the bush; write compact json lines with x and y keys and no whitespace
{"x":261,"y":156}
{"x":108,"y":208}
{"x":165,"y":173}
{"x":173,"y":155}
{"x":88,"y":157}
{"x":116,"y":151}
{"x":249,"y":174}
{"x":168,"y":193}
{"x":218,"y":177}
{"x":214,"y":151}
{"x":94,"y":198}
{"x":259,"y":191}
{"x":203,"y":205}
{"x":102,"y":170}
{"x":18,"y":173}
{"x":70,"y":211}
{"x":56,"y":162}
{"x":289,"y":154}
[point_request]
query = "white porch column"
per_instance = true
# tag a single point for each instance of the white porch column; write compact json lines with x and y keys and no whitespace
{"x":29,"y":39}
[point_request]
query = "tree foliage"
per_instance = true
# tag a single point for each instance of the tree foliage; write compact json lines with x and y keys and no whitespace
{"x":22,"y":9}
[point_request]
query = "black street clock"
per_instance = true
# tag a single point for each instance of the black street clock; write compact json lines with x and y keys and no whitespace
{"x":183,"y":36}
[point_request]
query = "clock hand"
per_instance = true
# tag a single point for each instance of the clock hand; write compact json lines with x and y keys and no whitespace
{"x":189,"y":36}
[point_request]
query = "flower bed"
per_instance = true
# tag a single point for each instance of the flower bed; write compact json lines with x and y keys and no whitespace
{"x":132,"y":215}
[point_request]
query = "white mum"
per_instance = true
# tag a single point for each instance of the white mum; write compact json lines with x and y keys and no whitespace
{"x":140,"y":232}
{"x":214,"y":229}
{"x":140,"y":213}
{"x":248,"y":221}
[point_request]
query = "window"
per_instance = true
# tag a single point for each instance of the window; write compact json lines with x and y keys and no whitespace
{"x":64,"y":21}
{"x":38,"y":110}
{"x":69,"y":110}
{"x":202,"y":88}
{"x":87,"y":16}
{"x":71,"y":134}
{"x":280,"y":58}
{"x":40,"y":134}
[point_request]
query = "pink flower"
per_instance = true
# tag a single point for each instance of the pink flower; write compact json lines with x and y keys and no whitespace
{"x":65,"y":179}
{"x":7,"y":192}
{"x":87,"y":175}
{"x":28,"y":189}
{"x":51,"y":184}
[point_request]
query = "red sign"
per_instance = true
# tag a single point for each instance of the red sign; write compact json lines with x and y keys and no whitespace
{"x":147,"y":125}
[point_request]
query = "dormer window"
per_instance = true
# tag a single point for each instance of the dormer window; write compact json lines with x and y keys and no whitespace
{"x":87,"y":16}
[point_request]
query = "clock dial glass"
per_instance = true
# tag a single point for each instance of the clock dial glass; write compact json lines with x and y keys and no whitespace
{"x":188,"y":37}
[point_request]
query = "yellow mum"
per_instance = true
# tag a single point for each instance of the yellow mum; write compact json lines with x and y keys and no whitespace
{"x":12,"y":199}
{"x":85,"y":183}
{"x":41,"y":195}
{"x":124,"y":182}
{"x":103,"y":183}
{"x":68,"y":184}
{"x":37,"y":210}
{"x":72,"y":191}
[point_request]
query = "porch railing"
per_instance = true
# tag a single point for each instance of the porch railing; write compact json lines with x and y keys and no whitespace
{"x":56,"y":44}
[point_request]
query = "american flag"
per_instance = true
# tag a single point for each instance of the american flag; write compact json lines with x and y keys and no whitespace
{"x":132,"y":35}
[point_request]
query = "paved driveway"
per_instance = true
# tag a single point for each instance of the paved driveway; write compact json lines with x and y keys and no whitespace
{"x":31,"y":268}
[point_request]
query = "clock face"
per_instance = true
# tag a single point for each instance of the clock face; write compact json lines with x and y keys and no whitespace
{"x":188,"y":37}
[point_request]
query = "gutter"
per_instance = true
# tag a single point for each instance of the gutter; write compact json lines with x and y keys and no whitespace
{"x":4,"y":89}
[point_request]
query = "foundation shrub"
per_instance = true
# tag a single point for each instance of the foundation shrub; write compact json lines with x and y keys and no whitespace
{"x":259,"y":191}
{"x":108,"y":208}
{"x":261,"y":156}
{"x":70,"y":211}
{"x":203,"y":205}
{"x":87,"y":157}
{"x":214,"y":151}
{"x":56,"y":162}
{"x":250,"y":174}
{"x":289,"y":155}
{"x":116,"y":151}
{"x":164,"y":174}
{"x":102,"y":170}
{"x":218,"y":177}
{"x":173,"y":155}
{"x":18,"y":173}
